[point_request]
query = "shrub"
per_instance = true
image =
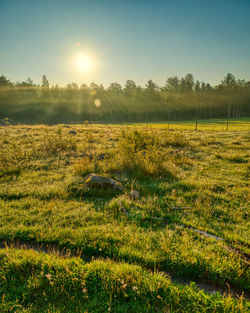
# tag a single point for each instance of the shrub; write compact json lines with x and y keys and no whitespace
{"x":140,"y":153}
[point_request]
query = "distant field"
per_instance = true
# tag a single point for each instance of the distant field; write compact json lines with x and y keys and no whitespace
{"x":213,"y":124}
{"x":182,"y":244}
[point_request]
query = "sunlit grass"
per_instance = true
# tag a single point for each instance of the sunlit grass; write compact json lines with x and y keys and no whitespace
{"x":205,"y":173}
{"x":217,"y":125}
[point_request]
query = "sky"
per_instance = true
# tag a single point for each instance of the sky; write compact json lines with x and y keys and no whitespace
{"x":133,"y":39}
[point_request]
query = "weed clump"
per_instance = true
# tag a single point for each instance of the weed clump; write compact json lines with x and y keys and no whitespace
{"x":12,"y":159}
{"x":175,"y":139}
{"x":118,"y":207}
{"x":247,"y":171}
{"x":53,"y":145}
{"x":236,"y":158}
{"x":85,"y":166}
{"x":140,"y":154}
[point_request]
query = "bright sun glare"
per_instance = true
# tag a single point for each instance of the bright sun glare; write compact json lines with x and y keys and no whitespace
{"x":83,"y":63}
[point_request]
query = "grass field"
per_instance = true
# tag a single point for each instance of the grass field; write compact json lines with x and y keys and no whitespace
{"x":181,"y":245}
{"x":213,"y":124}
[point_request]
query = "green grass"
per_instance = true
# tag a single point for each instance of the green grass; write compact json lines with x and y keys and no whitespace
{"x":43,"y":200}
{"x":35,"y":282}
{"x":213,"y":124}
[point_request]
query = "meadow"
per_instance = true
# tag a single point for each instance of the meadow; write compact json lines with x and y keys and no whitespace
{"x":173,"y":238}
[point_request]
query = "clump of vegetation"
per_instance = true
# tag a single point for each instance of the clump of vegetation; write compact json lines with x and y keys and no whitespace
{"x":174,"y":139}
{"x":236,"y":158}
{"x":247,"y":171}
{"x":85,"y":166}
{"x":13,"y":158}
{"x":137,"y":153}
{"x":54,"y":144}
{"x":118,"y":207}
{"x":140,"y":153}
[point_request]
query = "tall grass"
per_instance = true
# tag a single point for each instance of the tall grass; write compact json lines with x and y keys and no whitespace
{"x":13,"y":158}
{"x":54,"y":144}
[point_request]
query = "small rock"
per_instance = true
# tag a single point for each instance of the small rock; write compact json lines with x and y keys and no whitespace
{"x":134,"y":195}
{"x":218,"y":189}
{"x":84,"y":155}
{"x":72,"y":132}
{"x":101,"y":156}
{"x":6,"y":122}
{"x":97,"y":181}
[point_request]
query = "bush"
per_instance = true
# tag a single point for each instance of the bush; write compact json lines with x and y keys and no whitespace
{"x":140,"y":153}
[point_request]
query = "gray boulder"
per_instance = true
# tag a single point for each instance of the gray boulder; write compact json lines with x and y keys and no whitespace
{"x":84,"y":155}
{"x":97,"y":181}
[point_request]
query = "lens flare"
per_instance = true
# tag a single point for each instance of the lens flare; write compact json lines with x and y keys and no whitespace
{"x":97,"y":102}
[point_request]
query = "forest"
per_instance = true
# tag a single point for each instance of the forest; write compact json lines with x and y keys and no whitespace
{"x":179,"y":99}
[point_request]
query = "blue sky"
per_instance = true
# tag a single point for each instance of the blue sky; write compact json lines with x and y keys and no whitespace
{"x":137,"y":39}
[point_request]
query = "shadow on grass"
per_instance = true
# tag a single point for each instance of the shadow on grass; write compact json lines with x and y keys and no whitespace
{"x":197,"y":271}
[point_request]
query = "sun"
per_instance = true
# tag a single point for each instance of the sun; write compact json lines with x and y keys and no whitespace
{"x":84,"y":63}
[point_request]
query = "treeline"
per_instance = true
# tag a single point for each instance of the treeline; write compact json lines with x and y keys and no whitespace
{"x":179,"y":99}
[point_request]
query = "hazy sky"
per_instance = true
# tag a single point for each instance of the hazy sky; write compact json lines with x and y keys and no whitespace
{"x":135,"y":39}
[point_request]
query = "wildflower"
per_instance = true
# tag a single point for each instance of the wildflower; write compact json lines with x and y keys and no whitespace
{"x":48,"y":276}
